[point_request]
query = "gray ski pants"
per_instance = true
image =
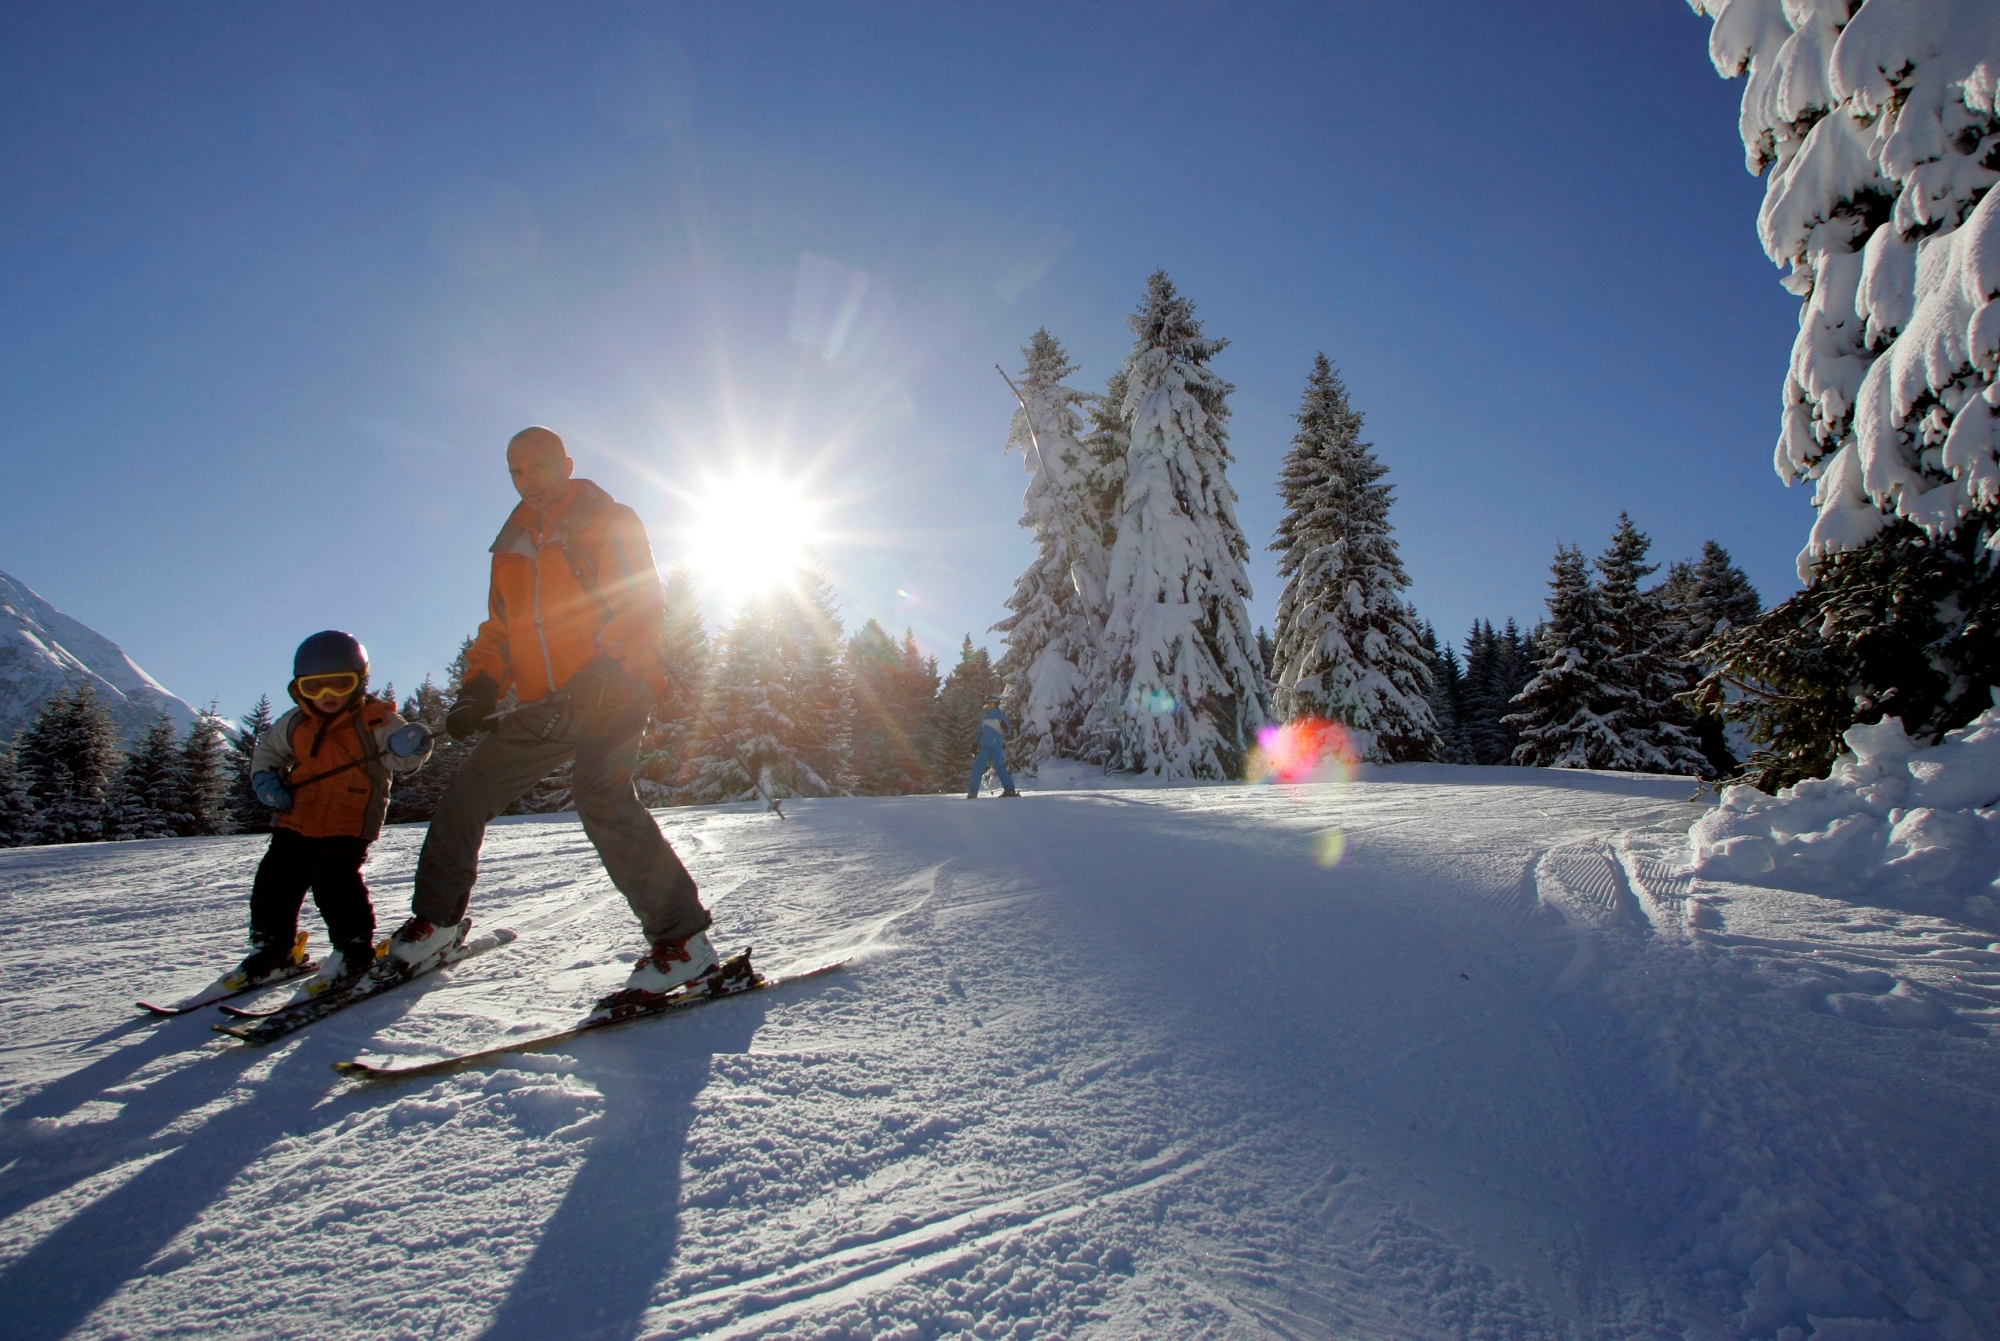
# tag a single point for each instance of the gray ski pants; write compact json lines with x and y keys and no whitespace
{"x":523,"y":749}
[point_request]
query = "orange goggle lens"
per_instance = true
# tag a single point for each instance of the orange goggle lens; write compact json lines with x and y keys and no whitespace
{"x":333,"y":684}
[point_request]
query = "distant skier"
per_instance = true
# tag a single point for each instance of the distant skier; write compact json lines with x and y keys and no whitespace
{"x":992,"y":751}
{"x":325,"y":768}
{"x":573,"y":628}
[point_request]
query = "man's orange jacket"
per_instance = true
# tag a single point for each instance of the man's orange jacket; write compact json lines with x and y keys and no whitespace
{"x":568,"y":585}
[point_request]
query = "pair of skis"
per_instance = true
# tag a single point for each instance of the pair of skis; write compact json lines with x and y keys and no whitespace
{"x":234,"y":984}
{"x":385,"y":975}
{"x":734,"y":976}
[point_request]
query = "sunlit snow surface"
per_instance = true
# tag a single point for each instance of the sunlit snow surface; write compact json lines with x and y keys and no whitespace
{"x":1112,"y":1063}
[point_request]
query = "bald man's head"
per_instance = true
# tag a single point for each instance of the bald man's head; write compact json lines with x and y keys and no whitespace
{"x":540,"y":466}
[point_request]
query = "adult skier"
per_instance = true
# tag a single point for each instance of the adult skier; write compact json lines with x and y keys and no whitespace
{"x":573,"y":628}
{"x":992,"y":751}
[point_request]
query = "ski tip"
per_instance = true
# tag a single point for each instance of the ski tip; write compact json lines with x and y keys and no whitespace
{"x":504,"y":935}
{"x":152,"y":1009}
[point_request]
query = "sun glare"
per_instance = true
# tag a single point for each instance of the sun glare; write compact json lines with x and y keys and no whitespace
{"x":747,"y":534}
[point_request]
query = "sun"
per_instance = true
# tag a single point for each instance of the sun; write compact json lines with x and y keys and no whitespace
{"x":748,"y":533}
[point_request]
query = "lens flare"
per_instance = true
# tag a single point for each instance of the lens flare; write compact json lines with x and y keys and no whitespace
{"x":1305,"y":749}
{"x":1329,"y":847}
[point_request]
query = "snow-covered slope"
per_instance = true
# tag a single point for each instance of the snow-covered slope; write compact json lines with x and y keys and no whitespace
{"x":43,"y":650}
{"x":1107,"y":1064}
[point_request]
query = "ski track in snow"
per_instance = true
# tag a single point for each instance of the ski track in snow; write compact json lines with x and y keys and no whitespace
{"x":1103,"y":1063}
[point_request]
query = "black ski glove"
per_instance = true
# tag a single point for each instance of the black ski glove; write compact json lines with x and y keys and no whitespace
{"x":475,"y":703}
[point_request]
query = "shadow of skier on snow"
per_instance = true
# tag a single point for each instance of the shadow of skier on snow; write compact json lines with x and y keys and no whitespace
{"x":62,"y":1280}
{"x":602,"y":1255}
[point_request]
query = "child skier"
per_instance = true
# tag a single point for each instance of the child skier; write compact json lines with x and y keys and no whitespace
{"x":325,"y":767}
{"x":992,"y":751}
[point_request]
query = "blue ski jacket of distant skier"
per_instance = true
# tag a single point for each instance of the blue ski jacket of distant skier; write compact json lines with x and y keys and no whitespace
{"x":993,"y":728}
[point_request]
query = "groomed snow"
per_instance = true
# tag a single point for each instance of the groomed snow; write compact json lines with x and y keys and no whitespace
{"x":1113,"y":1063}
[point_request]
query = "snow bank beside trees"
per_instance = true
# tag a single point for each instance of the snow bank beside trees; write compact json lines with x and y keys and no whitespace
{"x":1917,"y":825}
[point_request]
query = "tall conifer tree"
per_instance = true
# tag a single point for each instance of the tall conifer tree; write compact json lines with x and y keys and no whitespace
{"x":1184,"y":691}
{"x":1053,"y":668}
{"x":961,"y":703}
{"x":675,"y":723}
{"x":246,"y":813}
{"x":1564,"y":712}
{"x":1347,"y":644}
{"x":198,"y":804}
{"x":66,"y":754}
{"x":17,"y":814}
{"x":1654,"y":729}
{"x":138,"y":804}
{"x":895,"y":692}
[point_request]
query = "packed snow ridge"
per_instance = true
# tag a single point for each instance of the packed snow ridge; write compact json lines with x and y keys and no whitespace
{"x":43,"y":651}
{"x":1916,"y":825}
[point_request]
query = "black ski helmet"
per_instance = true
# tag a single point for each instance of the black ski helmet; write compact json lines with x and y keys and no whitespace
{"x":330,"y":651}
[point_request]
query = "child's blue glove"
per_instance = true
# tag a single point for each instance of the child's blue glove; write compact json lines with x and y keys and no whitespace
{"x":410,"y":740}
{"x":271,"y":791}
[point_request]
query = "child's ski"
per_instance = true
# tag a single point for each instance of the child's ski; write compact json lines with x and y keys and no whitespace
{"x":230,"y":984}
{"x":376,"y":981}
{"x":733,"y":977}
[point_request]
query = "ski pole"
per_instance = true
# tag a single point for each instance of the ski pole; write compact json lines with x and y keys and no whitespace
{"x":352,"y":763}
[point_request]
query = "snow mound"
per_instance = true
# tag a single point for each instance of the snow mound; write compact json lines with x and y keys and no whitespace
{"x":1915,"y":824}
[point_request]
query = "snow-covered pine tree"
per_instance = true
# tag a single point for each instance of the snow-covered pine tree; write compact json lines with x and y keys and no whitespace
{"x":822,"y":701}
{"x":17,"y":814}
{"x":1562,"y":713}
{"x":1184,"y":692}
{"x":1347,"y":648}
{"x":141,"y":793}
{"x":1052,"y":668}
{"x":1879,"y":124}
{"x":960,"y":705}
{"x":1486,"y":697}
{"x":1703,"y":599}
{"x":895,"y":703}
{"x":676,"y":717}
{"x":1707,"y":596}
{"x":246,"y":813}
{"x":65,"y":755}
{"x":1655,"y":730}
{"x":415,"y":795}
{"x":198,"y":803}
{"x":1447,"y":698}
{"x":746,"y":719}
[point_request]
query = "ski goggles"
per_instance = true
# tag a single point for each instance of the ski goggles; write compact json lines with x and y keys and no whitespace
{"x":328,"y":684}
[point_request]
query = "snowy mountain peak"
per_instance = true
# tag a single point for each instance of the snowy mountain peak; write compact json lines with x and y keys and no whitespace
{"x":43,"y":650}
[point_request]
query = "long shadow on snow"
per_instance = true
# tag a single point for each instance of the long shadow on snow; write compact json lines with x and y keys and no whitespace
{"x":66,"y":1276}
{"x":54,"y":1160}
{"x":603,"y":1252}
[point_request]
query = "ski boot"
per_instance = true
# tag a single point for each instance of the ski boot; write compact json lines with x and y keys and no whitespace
{"x":417,"y":944}
{"x":1010,"y":792}
{"x":672,"y":964}
{"x":266,"y":962}
{"x":344,"y":967}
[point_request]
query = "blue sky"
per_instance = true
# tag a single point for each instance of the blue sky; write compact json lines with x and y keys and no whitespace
{"x":280,"y":283}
